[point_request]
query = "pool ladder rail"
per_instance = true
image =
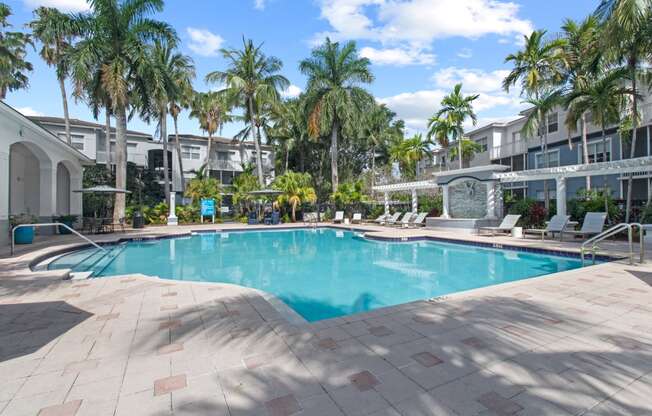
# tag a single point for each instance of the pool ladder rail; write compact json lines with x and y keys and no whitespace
{"x":52,"y":224}
{"x":590,"y":246}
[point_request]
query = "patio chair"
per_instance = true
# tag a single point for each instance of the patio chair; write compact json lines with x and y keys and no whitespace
{"x":419,"y":220}
{"x":391,"y":219}
{"x":252,"y":218}
{"x":310,"y":217}
{"x":339,"y":217}
{"x":88,"y":225}
{"x":556,"y":225}
{"x":381,"y":218}
{"x":276,"y":218}
{"x":121,"y":223}
{"x":357,"y":218}
{"x":404,"y":221}
{"x":593,"y":225}
{"x":506,"y":226}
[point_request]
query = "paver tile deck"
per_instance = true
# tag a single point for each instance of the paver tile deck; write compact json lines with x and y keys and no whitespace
{"x":575,"y":342}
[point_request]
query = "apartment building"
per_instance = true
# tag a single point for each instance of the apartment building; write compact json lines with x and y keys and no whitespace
{"x":504,"y":143}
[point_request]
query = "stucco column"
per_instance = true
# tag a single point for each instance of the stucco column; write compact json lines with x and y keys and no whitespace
{"x":386,"y":195}
{"x":491,"y":200}
{"x":76,"y":197}
{"x":48,"y":190}
{"x":172,"y":216}
{"x":561,"y":196}
{"x":415,"y":201}
{"x":445,"y":207}
{"x":4,"y":198}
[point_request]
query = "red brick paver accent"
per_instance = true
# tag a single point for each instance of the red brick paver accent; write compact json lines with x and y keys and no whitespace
{"x":283,"y":406}
{"x":169,"y":384}
{"x":364,"y":380}
{"x":65,"y":409}
{"x":427,"y":359}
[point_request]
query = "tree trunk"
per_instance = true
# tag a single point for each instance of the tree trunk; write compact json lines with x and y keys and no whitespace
{"x":66,"y":116}
{"x":334,"y":173}
{"x":208,"y":154}
{"x":179,"y":157}
{"x":166,"y":168}
{"x":302,"y":161}
{"x":287,"y":157}
{"x":459,"y":152}
{"x":585,"y":149}
{"x":604,"y":178}
{"x":120,"y":162}
{"x":259,"y":157}
{"x":373,"y":168}
{"x":107,"y":138}
{"x":632,"y":152}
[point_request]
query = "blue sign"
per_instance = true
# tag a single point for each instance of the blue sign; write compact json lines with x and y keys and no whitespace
{"x":207,"y":207}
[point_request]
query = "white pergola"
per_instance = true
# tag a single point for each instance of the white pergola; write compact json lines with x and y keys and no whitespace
{"x":561,"y":173}
{"x":413,"y":187}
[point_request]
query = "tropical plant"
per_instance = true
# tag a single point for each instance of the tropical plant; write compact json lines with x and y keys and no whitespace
{"x":627,"y":41}
{"x":456,"y":109}
{"x":55,"y":31}
{"x":243,"y":184}
{"x":333,"y":96}
{"x":469,"y":149}
{"x":349,"y":193}
{"x":167,"y":74}
{"x":296,"y":188}
{"x":203,"y":188}
{"x":177,"y":103}
{"x":441,"y":130}
{"x":13,"y":50}
{"x":211,"y":109}
{"x":251,"y":75}
{"x":377,"y":128}
{"x":110,"y":58}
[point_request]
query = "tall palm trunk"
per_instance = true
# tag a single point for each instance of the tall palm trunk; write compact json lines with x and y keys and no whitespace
{"x":179,"y":157}
{"x":107,"y":138}
{"x":66,"y":116}
{"x":302,"y":160}
{"x":632,"y":152}
{"x":259,"y":157}
{"x":120,"y":162}
{"x":287,"y":158}
{"x":334,"y":173}
{"x":164,"y":137}
{"x":459,"y":148}
{"x":373,"y":167}
{"x":208,"y":153}
{"x":585,"y":149}
{"x":604,"y":178}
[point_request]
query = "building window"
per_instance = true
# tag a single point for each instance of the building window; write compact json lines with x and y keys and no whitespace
{"x":552,"y":194}
{"x":483,"y":144}
{"x":553,"y":122}
{"x":190,"y":152}
{"x":77,"y":140}
{"x":553,"y":159}
{"x":516,"y":136}
{"x":595,"y":150}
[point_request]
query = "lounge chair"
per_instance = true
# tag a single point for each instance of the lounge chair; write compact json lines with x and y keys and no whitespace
{"x":339,"y":217}
{"x":381,"y":218}
{"x":310,"y":217}
{"x":556,"y":225}
{"x":357,"y":218}
{"x":391,"y":219}
{"x":419,"y":220}
{"x":593,"y":225}
{"x":403,"y":222}
{"x":276,"y":218}
{"x":506,"y":226}
{"x":252,"y":219}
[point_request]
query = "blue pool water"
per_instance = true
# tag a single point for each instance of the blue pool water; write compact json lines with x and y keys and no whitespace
{"x":321,"y":273}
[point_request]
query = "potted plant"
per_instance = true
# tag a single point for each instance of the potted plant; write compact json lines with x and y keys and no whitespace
{"x":68,"y":220}
{"x":23,"y":235}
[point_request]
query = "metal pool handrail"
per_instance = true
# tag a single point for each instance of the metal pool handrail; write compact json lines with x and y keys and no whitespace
{"x":50,"y":224}
{"x":593,"y":241}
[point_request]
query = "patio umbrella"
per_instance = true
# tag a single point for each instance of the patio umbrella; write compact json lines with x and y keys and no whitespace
{"x":103,"y":189}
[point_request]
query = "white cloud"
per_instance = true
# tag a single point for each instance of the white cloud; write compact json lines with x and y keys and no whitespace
{"x":292,"y":92}
{"x":28,"y":111}
{"x":259,"y":4}
{"x":472,"y":79}
{"x":465,"y":53}
{"x":397,"y":56}
{"x":203,"y":42}
{"x":63,"y":5}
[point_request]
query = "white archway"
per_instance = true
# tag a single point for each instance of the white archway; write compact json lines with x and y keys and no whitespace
{"x":28,"y":167}
{"x":63,"y":189}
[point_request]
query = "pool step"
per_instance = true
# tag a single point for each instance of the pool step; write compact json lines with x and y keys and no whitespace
{"x":98,"y":260}
{"x":108,"y":258}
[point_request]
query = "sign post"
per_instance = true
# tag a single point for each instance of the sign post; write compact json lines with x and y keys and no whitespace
{"x":172,"y":217}
{"x":207,"y":209}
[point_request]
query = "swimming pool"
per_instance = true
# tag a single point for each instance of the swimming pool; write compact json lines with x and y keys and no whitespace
{"x":321,"y":273}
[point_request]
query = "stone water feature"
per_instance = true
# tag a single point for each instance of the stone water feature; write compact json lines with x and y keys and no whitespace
{"x":467,"y":199}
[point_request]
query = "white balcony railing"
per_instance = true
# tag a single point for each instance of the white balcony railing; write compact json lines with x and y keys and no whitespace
{"x":140,"y":159}
{"x":509,"y":149}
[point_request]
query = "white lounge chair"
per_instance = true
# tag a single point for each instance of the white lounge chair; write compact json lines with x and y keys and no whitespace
{"x":593,"y":225}
{"x":405,"y":221}
{"x":357,"y":218}
{"x":506,"y":226}
{"x":419,"y":220}
{"x":310,"y":217}
{"x":339,"y":217}
{"x":381,"y":218}
{"x":391,"y":219}
{"x":556,"y":225}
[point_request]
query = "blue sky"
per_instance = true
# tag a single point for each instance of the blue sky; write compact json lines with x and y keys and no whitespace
{"x":419,"y":48}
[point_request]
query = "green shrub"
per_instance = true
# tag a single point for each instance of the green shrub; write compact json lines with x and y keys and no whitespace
{"x":592,"y":201}
{"x":646,"y":214}
{"x":432,"y":204}
{"x":531,"y":212}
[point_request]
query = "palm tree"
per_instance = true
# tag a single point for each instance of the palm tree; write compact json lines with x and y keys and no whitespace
{"x":55,"y":31}
{"x":627,"y":39}
{"x":181,"y":101}
{"x":289,"y":128}
{"x":376,"y":128}
{"x":167,"y":74}
{"x":456,"y":108}
{"x":250,"y":76}
{"x":111,"y":51}
{"x":211,"y":109}
{"x":296,"y":188}
{"x":469,"y":149}
{"x":333,"y":96}
{"x":582,"y":54}
{"x":13,"y":49}
{"x":536,"y":125}
{"x":605,"y":99}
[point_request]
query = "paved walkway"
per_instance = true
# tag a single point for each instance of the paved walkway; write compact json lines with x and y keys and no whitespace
{"x":579,"y":342}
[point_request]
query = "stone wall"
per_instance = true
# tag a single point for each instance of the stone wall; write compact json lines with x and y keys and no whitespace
{"x":468,"y":199}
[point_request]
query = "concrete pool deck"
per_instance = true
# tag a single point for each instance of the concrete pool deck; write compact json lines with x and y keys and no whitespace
{"x":578,"y":342}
